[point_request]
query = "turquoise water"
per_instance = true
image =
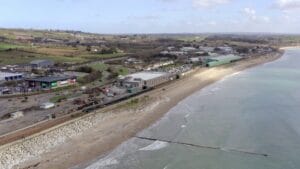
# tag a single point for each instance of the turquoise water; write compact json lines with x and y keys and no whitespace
{"x":249,"y":120}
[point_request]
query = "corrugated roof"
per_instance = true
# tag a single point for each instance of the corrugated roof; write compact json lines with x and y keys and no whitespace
{"x":146,"y":75}
{"x":41,"y":61}
{"x":8,"y":74}
{"x":226,"y":57}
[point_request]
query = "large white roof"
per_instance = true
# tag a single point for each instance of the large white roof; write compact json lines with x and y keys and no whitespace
{"x":146,"y":75}
{"x":7,"y":74}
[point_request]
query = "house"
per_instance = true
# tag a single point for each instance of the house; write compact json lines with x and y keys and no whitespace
{"x":165,"y":52}
{"x":188,"y":49}
{"x":41,"y":64}
{"x":194,"y":60}
{"x":171,"y":48}
{"x":177,"y":53}
{"x":225,"y":49}
{"x":145,"y":79}
{"x":206,"y":49}
{"x":159,"y":64}
{"x":132,"y":60}
{"x":51,"y":82}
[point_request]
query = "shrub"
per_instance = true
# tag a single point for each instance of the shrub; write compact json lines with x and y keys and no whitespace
{"x":91,"y":77}
{"x":85,"y":69}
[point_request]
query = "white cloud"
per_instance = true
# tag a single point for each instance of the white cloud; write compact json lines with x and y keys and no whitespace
{"x":212,"y":23}
{"x":251,"y":13}
{"x":288,"y":4}
{"x":266,"y":19}
{"x":209,"y":3}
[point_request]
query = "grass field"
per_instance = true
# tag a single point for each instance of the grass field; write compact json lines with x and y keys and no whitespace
{"x":23,"y":57}
{"x":101,"y":56}
{"x":5,"y":46}
{"x":192,"y":38}
{"x":67,"y":51}
{"x":57,"y":99}
{"x":122,"y":70}
{"x":99,"y":66}
{"x":27,"y":45}
{"x":23,"y":54}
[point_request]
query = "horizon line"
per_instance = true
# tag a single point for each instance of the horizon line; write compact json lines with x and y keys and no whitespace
{"x":150,"y":33}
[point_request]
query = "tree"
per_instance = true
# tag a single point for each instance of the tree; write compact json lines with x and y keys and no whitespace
{"x":91,"y":77}
{"x":110,"y":69}
{"x":243,"y":50}
{"x":89,"y":48}
{"x":112,"y":76}
{"x":85,"y":69}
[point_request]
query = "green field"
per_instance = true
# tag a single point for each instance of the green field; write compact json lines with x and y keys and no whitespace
{"x":25,"y":55}
{"x":99,"y":66}
{"x":122,"y":70}
{"x":101,"y":56}
{"x":5,"y":46}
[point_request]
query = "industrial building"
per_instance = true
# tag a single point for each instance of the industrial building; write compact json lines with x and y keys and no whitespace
{"x":51,"y":82}
{"x":221,"y":60}
{"x":194,"y":60}
{"x":160,"y":64}
{"x":7,"y":76}
{"x":188,"y":49}
{"x":41,"y":64}
{"x":145,"y":79}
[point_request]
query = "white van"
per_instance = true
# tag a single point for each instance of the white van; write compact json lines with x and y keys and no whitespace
{"x":47,"y":105}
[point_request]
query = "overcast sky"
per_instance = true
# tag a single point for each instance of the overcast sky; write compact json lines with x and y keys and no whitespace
{"x":153,"y":16}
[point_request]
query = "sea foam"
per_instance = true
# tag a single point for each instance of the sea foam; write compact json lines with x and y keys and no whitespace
{"x":157,"y":145}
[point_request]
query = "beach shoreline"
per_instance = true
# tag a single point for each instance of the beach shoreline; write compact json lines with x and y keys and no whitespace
{"x":289,"y":47}
{"x":121,"y":124}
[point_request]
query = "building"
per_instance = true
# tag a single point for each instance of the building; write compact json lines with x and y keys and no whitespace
{"x":171,"y":48}
{"x":206,"y":49}
{"x":132,"y":60}
{"x":165,"y":52}
{"x":41,"y":64}
{"x":159,"y":64}
{"x":145,"y":79}
{"x":188,"y":49}
{"x":47,"y":105}
{"x":7,"y":76}
{"x":226,"y":49}
{"x":221,"y":60}
{"x":177,"y":53}
{"x":194,"y":60}
{"x":17,"y":114}
{"x":51,"y":82}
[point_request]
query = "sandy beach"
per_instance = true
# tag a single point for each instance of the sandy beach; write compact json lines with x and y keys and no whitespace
{"x":289,"y":47}
{"x":102,"y":131}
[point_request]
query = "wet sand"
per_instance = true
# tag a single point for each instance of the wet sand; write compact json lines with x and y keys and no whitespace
{"x":119,"y":124}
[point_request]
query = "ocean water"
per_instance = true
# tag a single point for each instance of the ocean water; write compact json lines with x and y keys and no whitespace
{"x":249,"y":120}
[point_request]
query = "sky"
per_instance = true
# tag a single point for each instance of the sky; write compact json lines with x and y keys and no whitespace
{"x":153,"y":16}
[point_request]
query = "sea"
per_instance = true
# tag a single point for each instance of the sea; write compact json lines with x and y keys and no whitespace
{"x":248,"y":120}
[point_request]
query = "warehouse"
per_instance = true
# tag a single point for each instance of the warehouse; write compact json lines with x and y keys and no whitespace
{"x":221,"y":60}
{"x":6,"y":76}
{"x":40,"y":64}
{"x":145,"y":79}
{"x":51,"y":82}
